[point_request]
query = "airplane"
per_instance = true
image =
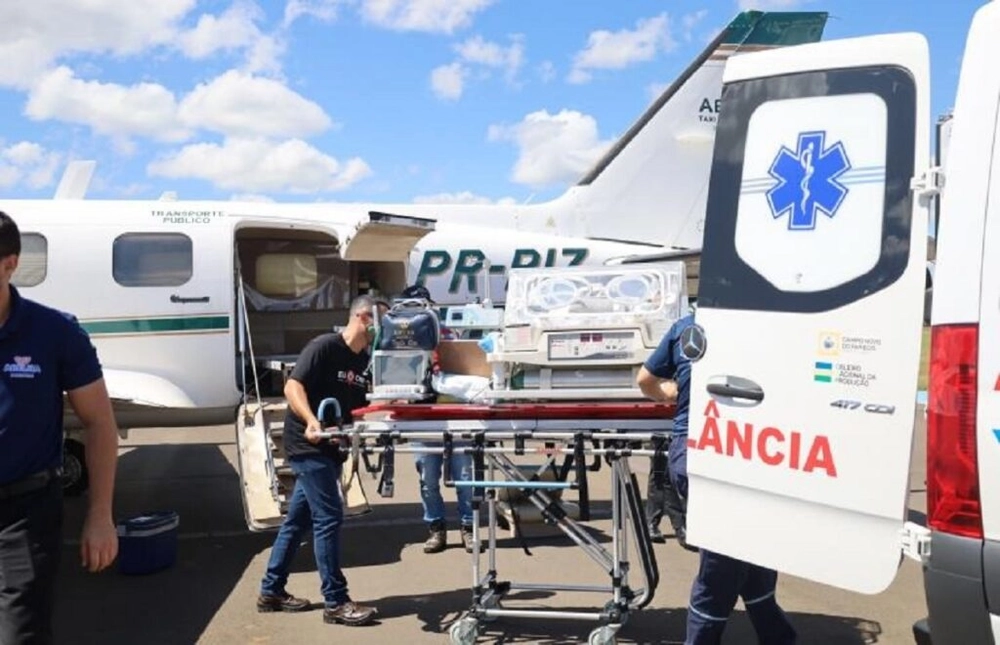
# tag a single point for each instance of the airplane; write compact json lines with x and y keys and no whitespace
{"x":192,"y":304}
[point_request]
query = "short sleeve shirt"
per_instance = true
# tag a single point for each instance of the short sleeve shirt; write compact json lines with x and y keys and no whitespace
{"x":327,"y":368}
{"x":668,"y":362}
{"x":43,"y":353}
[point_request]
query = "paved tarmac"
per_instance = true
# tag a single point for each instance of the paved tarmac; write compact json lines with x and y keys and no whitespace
{"x":208,"y":596}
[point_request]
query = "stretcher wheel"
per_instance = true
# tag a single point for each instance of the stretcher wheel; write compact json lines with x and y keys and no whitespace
{"x":492,"y":603}
{"x":464,"y":631}
{"x":604,"y":635}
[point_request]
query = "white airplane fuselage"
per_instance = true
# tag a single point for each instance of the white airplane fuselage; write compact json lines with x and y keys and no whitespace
{"x":155,"y":284}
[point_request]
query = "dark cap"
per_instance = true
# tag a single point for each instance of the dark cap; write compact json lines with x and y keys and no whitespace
{"x":417,"y":291}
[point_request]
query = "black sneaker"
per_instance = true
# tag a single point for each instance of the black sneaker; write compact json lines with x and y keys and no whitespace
{"x":287,"y":602}
{"x":656,"y":535}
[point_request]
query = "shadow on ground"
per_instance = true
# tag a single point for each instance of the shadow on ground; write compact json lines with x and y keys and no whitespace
{"x":437,"y":613}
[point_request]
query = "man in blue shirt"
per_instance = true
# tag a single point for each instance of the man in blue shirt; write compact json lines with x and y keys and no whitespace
{"x":660,"y":378}
{"x":43,"y":353}
{"x":666,"y":376}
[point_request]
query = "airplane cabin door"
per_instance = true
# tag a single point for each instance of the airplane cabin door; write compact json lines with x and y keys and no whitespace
{"x":811,"y":294}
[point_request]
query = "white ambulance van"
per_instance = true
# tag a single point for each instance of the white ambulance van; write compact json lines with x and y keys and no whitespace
{"x":811,"y":307}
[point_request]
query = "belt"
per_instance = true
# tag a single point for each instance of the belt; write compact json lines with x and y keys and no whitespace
{"x":29,"y":484}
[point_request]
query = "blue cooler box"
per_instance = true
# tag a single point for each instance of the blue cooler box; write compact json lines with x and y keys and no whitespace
{"x":147,"y":543}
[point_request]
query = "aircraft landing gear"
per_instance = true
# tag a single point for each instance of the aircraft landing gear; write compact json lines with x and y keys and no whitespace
{"x":75,"y":475}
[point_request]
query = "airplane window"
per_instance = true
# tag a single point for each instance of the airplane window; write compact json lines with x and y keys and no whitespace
{"x":32,"y":266}
{"x":152,"y":259}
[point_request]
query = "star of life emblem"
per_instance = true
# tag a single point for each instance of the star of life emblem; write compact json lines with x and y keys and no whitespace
{"x":808,"y":181}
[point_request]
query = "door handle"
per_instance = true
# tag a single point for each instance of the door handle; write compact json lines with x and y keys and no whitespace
{"x":735,"y":387}
{"x":176,"y":298}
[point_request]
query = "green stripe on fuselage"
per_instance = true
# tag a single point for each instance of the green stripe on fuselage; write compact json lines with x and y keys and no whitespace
{"x":156,"y":325}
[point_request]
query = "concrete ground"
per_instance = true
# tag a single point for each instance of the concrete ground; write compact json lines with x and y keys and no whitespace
{"x":208,"y":596}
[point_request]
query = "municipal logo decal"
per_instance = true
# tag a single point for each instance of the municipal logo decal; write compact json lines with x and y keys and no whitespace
{"x":808,"y":181}
{"x":22,"y":367}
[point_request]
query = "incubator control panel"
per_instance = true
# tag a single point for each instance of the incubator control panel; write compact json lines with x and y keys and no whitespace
{"x":571,"y":346}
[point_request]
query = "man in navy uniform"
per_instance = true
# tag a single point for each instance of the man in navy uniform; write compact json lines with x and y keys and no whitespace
{"x":666,"y":376}
{"x":44,"y":353}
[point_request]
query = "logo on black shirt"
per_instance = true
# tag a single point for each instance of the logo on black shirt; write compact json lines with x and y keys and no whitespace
{"x":352,"y":378}
{"x":22,"y":367}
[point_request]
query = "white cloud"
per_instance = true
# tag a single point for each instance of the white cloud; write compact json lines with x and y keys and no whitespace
{"x":690,"y":21}
{"x":35,"y":34}
{"x":240,"y":104}
{"x":435,"y":16}
{"x":118,"y":111}
{"x":325,"y":10}
{"x":464,"y":197}
{"x":476,"y":50}
{"x":233,"y":29}
{"x":619,"y":49}
{"x":447,"y":81}
{"x":29,"y":163}
{"x":546,"y":71}
{"x":234,"y":104}
{"x":553,"y":148}
{"x":261,"y":166}
{"x":251,"y":197}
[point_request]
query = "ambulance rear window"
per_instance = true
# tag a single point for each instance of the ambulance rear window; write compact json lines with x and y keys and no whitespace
{"x":812,"y":172}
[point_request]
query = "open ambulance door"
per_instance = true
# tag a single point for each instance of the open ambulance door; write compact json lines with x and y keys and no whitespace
{"x":383,"y":237}
{"x":809,"y":315}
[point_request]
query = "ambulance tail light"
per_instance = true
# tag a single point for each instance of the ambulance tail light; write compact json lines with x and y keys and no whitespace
{"x":953,"y":504}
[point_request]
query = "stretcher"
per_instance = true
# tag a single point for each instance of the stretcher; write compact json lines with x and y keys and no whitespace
{"x":494,"y":435}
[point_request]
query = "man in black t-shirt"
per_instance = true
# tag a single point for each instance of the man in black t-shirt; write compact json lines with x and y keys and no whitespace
{"x":331,"y":365}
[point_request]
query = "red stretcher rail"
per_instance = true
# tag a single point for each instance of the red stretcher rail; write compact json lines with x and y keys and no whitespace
{"x":515,"y":411}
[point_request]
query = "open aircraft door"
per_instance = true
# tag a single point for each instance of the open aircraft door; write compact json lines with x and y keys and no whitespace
{"x":385,"y":237}
{"x":803,"y":395}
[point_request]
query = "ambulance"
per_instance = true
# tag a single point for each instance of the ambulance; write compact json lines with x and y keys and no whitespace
{"x":810,"y":318}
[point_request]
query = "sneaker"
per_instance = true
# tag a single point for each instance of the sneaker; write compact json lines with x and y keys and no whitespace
{"x":656,"y":535}
{"x":467,"y":540}
{"x":349,"y":613}
{"x":285,"y":602}
{"x":438,"y":539}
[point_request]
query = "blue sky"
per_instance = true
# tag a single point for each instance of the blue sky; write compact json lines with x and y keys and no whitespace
{"x":350,"y":100}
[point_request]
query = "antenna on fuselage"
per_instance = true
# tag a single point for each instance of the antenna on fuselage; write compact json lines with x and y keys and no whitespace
{"x":75,"y":180}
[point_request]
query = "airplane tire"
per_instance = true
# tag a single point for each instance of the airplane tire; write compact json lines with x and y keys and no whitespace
{"x":76,"y":479}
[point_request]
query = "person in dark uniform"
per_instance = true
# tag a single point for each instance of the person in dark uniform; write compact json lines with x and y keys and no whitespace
{"x":332,"y":365}
{"x":45,"y":353}
{"x":662,"y":499}
{"x":720,"y":579}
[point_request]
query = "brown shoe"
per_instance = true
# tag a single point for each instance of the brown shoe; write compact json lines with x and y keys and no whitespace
{"x":349,"y":613}
{"x":287,"y":602}
{"x":438,"y":539}
{"x":468,"y":542}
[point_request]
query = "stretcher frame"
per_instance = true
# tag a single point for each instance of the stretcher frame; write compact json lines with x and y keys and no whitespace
{"x":613,"y":432}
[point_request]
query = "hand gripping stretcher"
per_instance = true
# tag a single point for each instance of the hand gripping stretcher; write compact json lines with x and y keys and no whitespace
{"x":497,"y":433}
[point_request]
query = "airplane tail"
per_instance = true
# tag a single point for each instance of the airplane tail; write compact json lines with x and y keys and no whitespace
{"x":652,"y":185}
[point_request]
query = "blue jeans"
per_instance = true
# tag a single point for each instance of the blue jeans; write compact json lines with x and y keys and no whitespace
{"x":315,"y":504}
{"x":721,"y":580}
{"x":429,"y":467}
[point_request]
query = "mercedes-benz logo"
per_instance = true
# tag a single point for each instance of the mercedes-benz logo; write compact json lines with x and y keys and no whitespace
{"x":693,"y":343}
